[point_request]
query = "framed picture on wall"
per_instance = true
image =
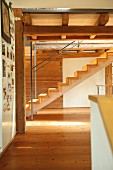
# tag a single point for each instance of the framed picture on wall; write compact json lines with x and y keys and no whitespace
{"x":4,"y":68}
{"x":5,"y":19}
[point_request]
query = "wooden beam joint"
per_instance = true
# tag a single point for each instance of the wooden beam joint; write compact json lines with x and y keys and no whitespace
{"x":65,"y":19}
{"x":27,"y":19}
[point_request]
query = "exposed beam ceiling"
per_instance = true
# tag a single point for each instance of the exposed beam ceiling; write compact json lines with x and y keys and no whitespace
{"x":69,"y":55}
{"x":102,"y":21}
{"x":67,"y":30}
{"x":82,"y":47}
{"x":70,"y":27}
{"x":65,"y":19}
{"x":69,"y":52}
{"x":77,"y":45}
{"x":67,"y":38}
{"x":79,"y":50}
{"x":27,"y":20}
{"x":65,"y":26}
{"x":77,"y":55}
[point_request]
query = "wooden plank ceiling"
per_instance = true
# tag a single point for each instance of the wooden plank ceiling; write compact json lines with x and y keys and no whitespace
{"x":47,"y":27}
{"x":68,"y":27}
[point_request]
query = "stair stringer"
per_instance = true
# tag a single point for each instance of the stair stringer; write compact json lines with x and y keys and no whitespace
{"x":65,"y":88}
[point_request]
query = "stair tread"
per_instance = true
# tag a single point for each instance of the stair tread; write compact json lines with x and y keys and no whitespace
{"x":52,"y":88}
{"x":91,"y":64}
{"x":62,"y":84}
{"x":81,"y":71}
{"x":102,"y":58}
{"x":42,"y":95}
{"x":88,"y":66}
{"x":71,"y":77}
{"x":27,"y":105}
{"x":34,"y":100}
{"x":95,"y":61}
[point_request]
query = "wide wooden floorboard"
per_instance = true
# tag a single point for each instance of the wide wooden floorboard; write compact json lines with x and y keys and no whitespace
{"x":56,"y":140}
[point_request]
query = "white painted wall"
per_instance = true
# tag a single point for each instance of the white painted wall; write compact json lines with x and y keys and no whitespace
{"x":63,"y":4}
{"x":7,"y":118}
{"x":0,"y":85}
{"x":101,"y":153}
{"x":78,"y":96}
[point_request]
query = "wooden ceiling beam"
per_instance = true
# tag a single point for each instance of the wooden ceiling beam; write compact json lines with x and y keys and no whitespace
{"x":75,"y":51}
{"x":58,"y":38}
{"x":63,"y":37}
{"x":39,"y":52}
{"x":100,"y":50}
{"x":34,"y":37}
{"x":80,"y":55}
{"x":71,"y":55}
{"x":65,"y":19}
{"x":102,"y":21}
{"x":49,"y":52}
{"x":83,"y":47}
{"x":68,"y":31}
{"x":80,"y":51}
{"x":27,"y":19}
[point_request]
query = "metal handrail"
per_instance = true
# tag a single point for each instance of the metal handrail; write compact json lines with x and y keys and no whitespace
{"x":31,"y":89}
{"x":105,"y":86}
{"x":55,"y":57}
{"x":53,"y":54}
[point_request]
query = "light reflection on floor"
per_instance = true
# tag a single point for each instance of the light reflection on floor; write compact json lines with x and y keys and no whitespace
{"x":65,"y":111}
{"x":55,"y":123}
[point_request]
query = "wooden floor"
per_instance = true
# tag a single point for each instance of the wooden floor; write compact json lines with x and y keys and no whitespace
{"x":57,"y":140}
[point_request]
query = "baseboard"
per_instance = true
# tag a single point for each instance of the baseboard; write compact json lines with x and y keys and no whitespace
{"x":2,"y":153}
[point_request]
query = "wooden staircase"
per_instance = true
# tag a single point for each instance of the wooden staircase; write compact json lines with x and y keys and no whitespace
{"x":79,"y":76}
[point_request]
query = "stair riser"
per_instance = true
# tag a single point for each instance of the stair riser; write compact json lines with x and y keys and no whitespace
{"x":88,"y":68}
{"x":98,"y":61}
{"x":94,"y":62}
{"x":46,"y":102}
{"x":42,"y":98}
{"x":65,"y":89}
{"x":80,"y":75}
{"x":52,"y":92}
{"x":60,"y":86}
{"x":101,"y":61}
{"x":70,"y":80}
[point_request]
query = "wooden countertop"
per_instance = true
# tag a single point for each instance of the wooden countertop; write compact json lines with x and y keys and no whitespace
{"x":105,"y":104}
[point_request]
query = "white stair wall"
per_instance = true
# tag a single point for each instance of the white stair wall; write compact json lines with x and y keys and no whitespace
{"x":79,"y":94}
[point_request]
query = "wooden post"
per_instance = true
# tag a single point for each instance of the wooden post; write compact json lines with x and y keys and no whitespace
{"x":108,"y":79}
{"x":20,"y":73}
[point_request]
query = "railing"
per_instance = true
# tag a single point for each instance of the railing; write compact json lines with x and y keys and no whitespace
{"x":42,"y":64}
{"x":55,"y":55}
{"x":104,"y":89}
